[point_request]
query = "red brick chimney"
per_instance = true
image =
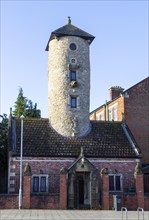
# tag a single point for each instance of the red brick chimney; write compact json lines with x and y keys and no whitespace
{"x":115,"y":91}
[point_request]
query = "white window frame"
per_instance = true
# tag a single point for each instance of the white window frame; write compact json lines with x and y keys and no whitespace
{"x":115,"y":113}
{"x":110,"y":114}
{"x":100,"y":116}
{"x":111,"y":111}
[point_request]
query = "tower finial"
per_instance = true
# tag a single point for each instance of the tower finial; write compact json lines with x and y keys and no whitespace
{"x":69,"y":20}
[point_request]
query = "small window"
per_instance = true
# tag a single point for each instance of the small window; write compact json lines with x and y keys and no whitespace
{"x":39,"y":184}
{"x":100,"y":116}
{"x":43,"y":184}
{"x":110,"y":114}
{"x":73,"y":75}
{"x":115,"y":183}
{"x":72,"y":46}
{"x":115,"y":113}
{"x":35,"y":184}
{"x":73,"y":61}
{"x":73,"y":102}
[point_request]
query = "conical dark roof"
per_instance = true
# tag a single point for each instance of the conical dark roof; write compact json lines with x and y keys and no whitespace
{"x":70,"y":30}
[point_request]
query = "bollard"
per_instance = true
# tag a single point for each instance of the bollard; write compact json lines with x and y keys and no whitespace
{"x":142,"y":210}
{"x":124,"y":210}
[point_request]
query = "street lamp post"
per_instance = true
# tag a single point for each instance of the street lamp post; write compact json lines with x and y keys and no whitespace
{"x":21,"y":153}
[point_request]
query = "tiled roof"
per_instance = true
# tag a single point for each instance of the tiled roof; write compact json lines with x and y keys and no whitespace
{"x":106,"y":139}
{"x":70,"y":30}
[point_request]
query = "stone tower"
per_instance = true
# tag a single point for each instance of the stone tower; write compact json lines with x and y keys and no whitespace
{"x":69,"y":80}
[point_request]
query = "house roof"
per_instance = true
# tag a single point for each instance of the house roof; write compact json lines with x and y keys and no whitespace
{"x":106,"y":139}
{"x":70,"y":30}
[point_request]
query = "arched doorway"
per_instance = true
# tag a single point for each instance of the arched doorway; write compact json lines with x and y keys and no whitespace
{"x":82,"y":190}
{"x":83,"y":185}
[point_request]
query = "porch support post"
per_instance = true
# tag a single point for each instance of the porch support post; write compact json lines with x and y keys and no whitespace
{"x":105,"y":189}
{"x":27,"y":187}
{"x":63,"y":188}
{"x":139,"y":180}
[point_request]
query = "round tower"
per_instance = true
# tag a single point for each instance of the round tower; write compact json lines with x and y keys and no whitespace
{"x":69,"y":80}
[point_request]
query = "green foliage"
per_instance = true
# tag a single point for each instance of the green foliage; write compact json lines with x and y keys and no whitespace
{"x":25,"y":107}
{"x":3,"y":141}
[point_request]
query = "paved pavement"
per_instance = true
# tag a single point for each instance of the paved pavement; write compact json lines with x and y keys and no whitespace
{"x":40,"y":214}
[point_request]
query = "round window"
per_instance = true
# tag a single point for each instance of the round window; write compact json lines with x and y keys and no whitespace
{"x":73,"y":46}
{"x":73,"y":61}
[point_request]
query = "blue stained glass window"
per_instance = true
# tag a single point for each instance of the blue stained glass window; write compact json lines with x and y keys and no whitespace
{"x":35,"y":184}
{"x":43,"y":184}
{"x":73,"y":75}
{"x":73,"y":102}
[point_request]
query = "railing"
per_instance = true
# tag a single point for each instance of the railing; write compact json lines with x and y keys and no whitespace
{"x":124,"y":210}
{"x":142,"y":211}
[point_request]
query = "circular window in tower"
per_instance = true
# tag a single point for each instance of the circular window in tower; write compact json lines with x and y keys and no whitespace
{"x":73,"y":46}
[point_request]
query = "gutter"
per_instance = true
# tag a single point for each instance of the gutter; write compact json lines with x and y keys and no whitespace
{"x":129,"y":138}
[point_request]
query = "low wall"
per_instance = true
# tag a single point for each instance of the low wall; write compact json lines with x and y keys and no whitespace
{"x":130,"y":201}
{"x":44,"y":201}
{"x":146,"y":202}
{"x":9,"y":201}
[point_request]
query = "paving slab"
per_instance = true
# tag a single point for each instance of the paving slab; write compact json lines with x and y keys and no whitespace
{"x":32,"y":214}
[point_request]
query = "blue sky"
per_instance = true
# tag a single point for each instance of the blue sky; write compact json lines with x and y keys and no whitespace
{"x":118,"y":55}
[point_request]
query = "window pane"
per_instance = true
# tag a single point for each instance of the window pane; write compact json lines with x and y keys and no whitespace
{"x":73,"y":46}
{"x":73,"y":75}
{"x":43,"y":184}
{"x":115,"y":113}
{"x":111,"y":183}
{"x":36,"y":184}
{"x":118,"y":183}
{"x":73,"y":102}
{"x":110,"y":115}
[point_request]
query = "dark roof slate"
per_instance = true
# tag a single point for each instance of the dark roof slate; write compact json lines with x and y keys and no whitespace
{"x":70,"y":30}
{"x":106,"y":139}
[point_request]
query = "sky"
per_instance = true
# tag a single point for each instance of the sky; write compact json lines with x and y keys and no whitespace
{"x":118,"y":55}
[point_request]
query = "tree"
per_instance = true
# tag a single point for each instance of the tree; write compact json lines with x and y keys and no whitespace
{"x":32,"y":111}
{"x":3,"y":141}
{"x":24,"y":106}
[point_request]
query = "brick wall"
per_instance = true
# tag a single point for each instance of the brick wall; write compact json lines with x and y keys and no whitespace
{"x":53,"y":166}
{"x":52,"y":199}
{"x":135,"y":106}
{"x":137,"y":115}
{"x":130,"y":201}
{"x":26,"y":191}
{"x":44,"y":201}
{"x":139,"y":190}
{"x":120,"y":109}
{"x":9,"y":201}
{"x":105,"y":191}
{"x":146,"y":202}
{"x":63,"y":190}
{"x":115,"y":92}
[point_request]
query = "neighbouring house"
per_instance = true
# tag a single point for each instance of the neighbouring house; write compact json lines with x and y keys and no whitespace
{"x":69,"y":161}
{"x":131,"y":106}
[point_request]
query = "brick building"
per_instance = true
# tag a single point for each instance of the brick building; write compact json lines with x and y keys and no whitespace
{"x":131,"y":106}
{"x":70,"y":162}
